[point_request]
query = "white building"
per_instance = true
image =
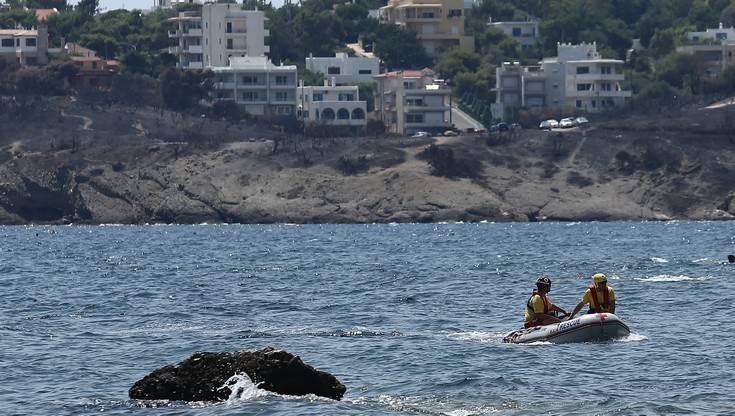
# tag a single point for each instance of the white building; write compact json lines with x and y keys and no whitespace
{"x":331,"y":105}
{"x":170,"y":4}
{"x":219,"y":32}
{"x":257,"y":85}
{"x":411,"y":101}
{"x":525,"y":33}
{"x":577,"y":78}
{"x":344,"y":69}
{"x":721,"y":34}
{"x":24,"y":47}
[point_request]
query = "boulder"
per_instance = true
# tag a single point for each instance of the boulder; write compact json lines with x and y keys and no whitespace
{"x":202,"y":377}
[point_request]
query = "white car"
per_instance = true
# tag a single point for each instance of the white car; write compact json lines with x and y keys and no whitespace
{"x":548,"y":124}
{"x":566,"y":123}
{"x":420,"y":134}
{"x":581,"y":121}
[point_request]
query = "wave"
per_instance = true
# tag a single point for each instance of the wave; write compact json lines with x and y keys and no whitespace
{"x":633,"y":337}
{"x":242,"y":389}
{"x":658,"y":260}
{"x":477,"y":336}
{"x":671,"y":278}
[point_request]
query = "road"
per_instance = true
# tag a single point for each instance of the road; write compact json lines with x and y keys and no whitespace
{"x":464,"y":121}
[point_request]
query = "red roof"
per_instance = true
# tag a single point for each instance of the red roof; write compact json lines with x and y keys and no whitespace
{"x":43,"y":14}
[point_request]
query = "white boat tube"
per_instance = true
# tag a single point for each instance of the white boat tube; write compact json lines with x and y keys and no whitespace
{"x":586,"y":328}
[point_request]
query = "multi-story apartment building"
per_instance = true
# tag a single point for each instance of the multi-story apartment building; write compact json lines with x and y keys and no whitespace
{"x":439,"y":24}
{"x":344,"y":69}
{"x":332,"y":105}
{"x":169,"y":4}
{"x":578,"y":77}
{"x":525,"y":33}
{"x":712,"y":48}
{"x":219,"y":32}
{"x":411,"y":101}
{"x":257,"y":85}
{"x":24,"y":47}
{"x":721,"y":34}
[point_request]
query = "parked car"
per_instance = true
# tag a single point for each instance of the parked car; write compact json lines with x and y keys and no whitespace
{"x":581,"y":121}
{"x":515,"y":126}
{"x":420,"y":134}
{"x":566,"y":123}
{"x":450,"y":133}
{"x":548,"y":124}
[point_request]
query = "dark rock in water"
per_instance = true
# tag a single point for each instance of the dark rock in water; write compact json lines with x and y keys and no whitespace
{"x":202,"y":376}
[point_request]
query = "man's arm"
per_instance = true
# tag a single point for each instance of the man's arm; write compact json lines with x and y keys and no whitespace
{"x":576,"y":309}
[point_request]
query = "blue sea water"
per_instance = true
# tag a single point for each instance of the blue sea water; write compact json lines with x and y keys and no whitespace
{"x":409,"y":317}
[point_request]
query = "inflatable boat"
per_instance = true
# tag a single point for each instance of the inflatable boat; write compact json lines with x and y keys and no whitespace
{"x":586,"y":328}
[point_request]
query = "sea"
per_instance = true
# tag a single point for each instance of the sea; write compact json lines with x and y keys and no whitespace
{"x":410,"y":317}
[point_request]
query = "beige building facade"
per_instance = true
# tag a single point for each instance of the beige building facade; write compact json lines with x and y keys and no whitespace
{"x":412,"y":101}
{"x":439,"y":24}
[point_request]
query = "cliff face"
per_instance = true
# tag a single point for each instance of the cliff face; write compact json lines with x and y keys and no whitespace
{"x":104,"y":165}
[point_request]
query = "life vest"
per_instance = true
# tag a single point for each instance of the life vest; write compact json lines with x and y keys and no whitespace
{"x":595,"y":303}
{"x":543,"y":298}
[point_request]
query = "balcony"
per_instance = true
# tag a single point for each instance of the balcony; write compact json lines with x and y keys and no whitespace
{"x":173,"y":33}
{"x":196,"y":32}
{"x":593,"y":94}
{"x":193,"y":49}
{"x":283,"y":85}
{"x":192,"y":65}
{"x":224,"y":85}
{"x":174,"y":50}
{"x":427,"y":107}
{"x":598,"y":77}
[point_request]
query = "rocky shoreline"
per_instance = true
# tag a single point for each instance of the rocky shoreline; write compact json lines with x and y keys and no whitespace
{"x":136,"y":167}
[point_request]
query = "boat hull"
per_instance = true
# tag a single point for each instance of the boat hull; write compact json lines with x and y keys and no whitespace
{"x":587,"y":328}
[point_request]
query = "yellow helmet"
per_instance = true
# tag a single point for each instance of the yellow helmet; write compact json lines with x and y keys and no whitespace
{"x":599,"y":278}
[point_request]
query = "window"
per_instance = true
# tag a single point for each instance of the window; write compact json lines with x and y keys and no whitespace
{"x":415,"y":102}
{"x":229,"y":27}
{"x":606,"y":86}
{"x":281,"y":96}
{"x":283,"y":110}
{"x":94,"y":65}
{"x":579,"y":103}
{"x":343,"y":114}
{"x":594,"y":103}
{"x":454,"y":13}
{"x":318,"y":96}
{"x":414,"y":118}
{"x":583,"y":70}
{"x":7,"y":43}
{"x":555,"y":85}
{"x":584,"y":87}
{"x":427,"y":15}
{"x":327,"y":114}
{"x":281,"y":80}
{"x":409,"y":85}
{"x":334,"y":70}
{"x":249,"y":79}
{"x":229,"y":43}
{"x":721,"y":36}
{"x":370,"y":71}
{"x":346,"y":97}
{"x":516,"y":32}
{"x":250,"y":96}
{"x":358,"y":114}
{"x":606,"y":69}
